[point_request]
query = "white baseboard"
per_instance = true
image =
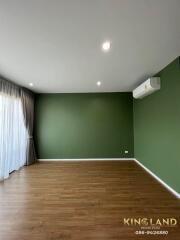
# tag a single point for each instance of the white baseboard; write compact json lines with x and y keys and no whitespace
{"x":86,"y":159}
{"x":158,"y":179}
{"x":118,"y":159}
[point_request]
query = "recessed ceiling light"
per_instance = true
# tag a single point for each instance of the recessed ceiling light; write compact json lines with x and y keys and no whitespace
{"x":31,"y":84}
{"x":106,"y":46}
{"x":98,"y":83}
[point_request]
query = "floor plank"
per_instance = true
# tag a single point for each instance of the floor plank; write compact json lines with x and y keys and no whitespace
{"x":82,"y":200}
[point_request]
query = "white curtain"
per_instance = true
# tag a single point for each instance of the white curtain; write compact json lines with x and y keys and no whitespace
{"x":13,"y":133}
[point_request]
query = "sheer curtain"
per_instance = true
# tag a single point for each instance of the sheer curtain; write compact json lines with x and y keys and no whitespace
{"x":13,"y":132}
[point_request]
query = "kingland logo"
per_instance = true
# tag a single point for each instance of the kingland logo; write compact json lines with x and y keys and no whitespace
{"x":161,"y":222}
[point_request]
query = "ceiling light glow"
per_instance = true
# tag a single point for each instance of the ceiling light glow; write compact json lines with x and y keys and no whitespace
{"x":106,"y":46}
{"x":31,"y":84}
{"x":98,"y":83}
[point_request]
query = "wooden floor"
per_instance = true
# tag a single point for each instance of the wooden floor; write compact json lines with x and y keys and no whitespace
{"x":82,"y":200}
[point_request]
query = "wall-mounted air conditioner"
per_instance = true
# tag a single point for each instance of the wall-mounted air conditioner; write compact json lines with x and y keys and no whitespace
{"x":149,"y":86}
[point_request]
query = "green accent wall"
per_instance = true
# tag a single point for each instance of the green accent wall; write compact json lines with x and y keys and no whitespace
{"x":157,"y":127}
{"x":92,"y":125}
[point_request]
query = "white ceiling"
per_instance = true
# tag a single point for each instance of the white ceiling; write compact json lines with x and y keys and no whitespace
{"x":56,"y":44}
